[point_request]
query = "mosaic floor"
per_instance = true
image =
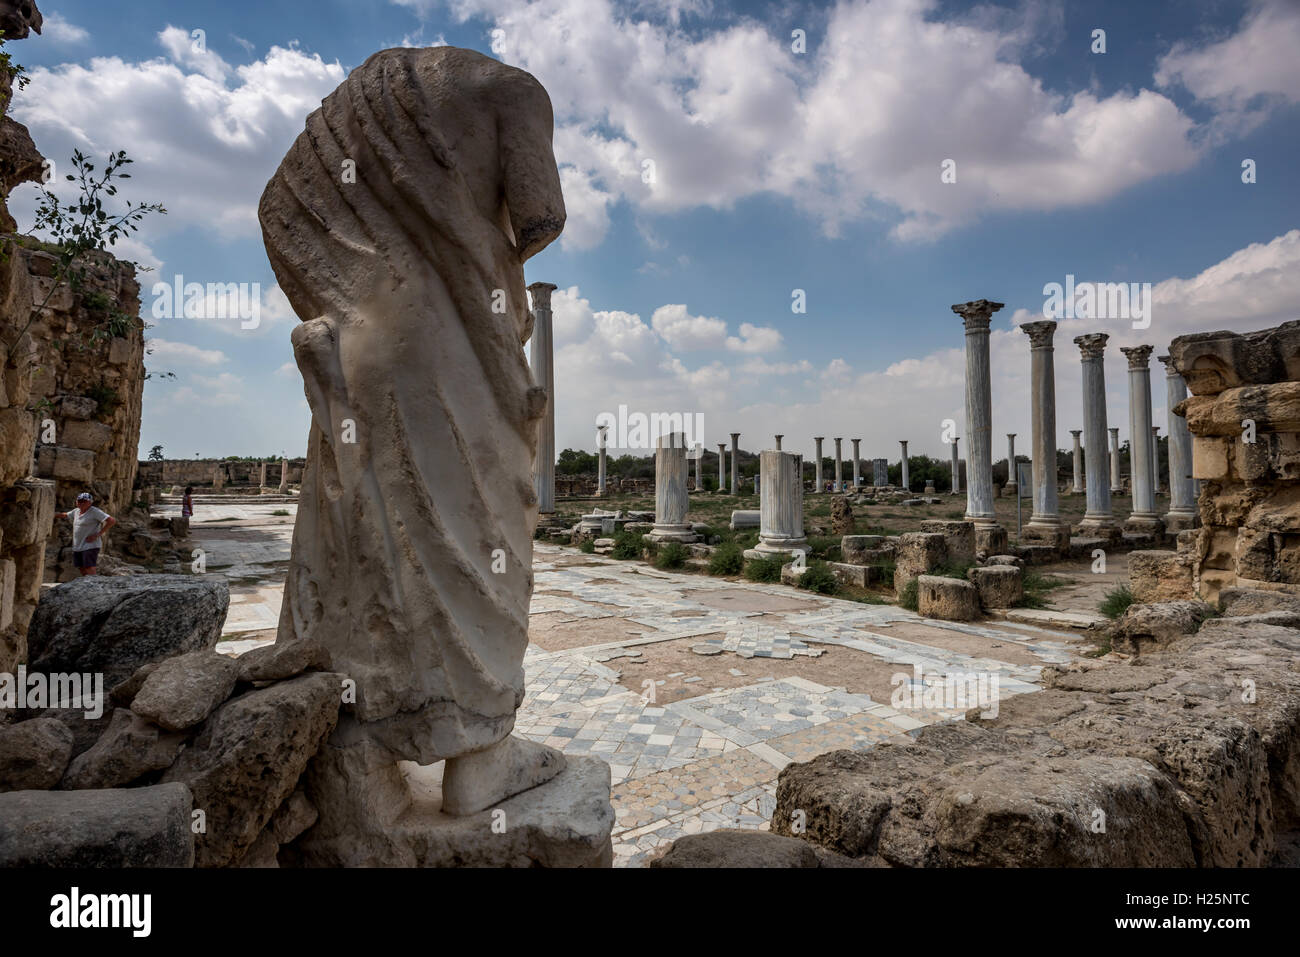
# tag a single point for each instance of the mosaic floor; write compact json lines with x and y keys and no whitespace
{"x":706,"y":760}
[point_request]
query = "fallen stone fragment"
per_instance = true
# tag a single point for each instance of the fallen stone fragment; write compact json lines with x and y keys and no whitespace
{"x":184,"y":690}
{"x":103,"y":828}
{"x":33,"y":754}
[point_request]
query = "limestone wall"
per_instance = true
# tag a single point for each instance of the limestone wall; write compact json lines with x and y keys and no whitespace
{"x":87,"y":383}
{"x":1244,"y":416}
{"x":202,"y":472}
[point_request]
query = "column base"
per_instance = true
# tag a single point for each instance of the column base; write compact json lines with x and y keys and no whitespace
{"x":1045,"y":533}
{"x":1098,"y":527}
{"x":672,"y":533}
{"x":1144,"y":524}
{"x":990,"y":539}
{"x":1176,"y":522}
{"x":777,"y":546}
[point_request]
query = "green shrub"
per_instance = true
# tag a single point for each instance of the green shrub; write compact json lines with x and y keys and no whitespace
{"x":627,"y":546}
{"x":671,"y":555}
{"x":825,"y":546}
{"x":1116,"y":602}
{"x":819,"y":578}
{"x":766,"y":570}
{"x":908,"y":598}
{"x":727,"y":559}
{"x":281,"y":511}
{"x":587,"y":546}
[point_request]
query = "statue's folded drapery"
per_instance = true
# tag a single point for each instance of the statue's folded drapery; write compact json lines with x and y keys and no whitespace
{"x":409,"y":282}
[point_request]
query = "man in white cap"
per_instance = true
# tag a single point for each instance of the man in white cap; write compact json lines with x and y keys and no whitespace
{"x":88,"y":526}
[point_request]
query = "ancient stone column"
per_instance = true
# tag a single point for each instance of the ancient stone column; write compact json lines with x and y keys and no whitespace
{"x":722,"y":466}
{"x":880,"y":472}
{"x":907,"y":479}
{"x":1010,"y":488}
{"x":780,"y":505}
{"x":602,"y":440}
{"x":1116,"y":480}
{"x":543,"y":365}
{"x":672,"y":500}
{"x":1182,"y":502}
{"x":1076,"y":460}
{"x":1045,"y":520}
{"x":839,"y":467}
{"x":699,"y":467}
{"x":778,"y":441}
{"x":284,"y":475}
{"x":735,"y":466}
{"x":1143,"y":518}
{"x":1098,"y":518}
{"x":956,"y":469}
{"x":1155,"y":459}
{"x":979,"y":411}
{"x":261,"y":480}
{"x":219,"y":477}
{"x":818,"y":440}
{"x":857,"y":480}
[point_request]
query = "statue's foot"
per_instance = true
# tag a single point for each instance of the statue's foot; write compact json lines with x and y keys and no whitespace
{"x":479,"y":780}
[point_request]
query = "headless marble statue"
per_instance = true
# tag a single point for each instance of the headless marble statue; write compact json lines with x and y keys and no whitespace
{"x":397,"y":226}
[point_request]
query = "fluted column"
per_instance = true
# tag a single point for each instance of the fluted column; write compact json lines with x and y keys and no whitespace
{"x":1182,"y":501}
{"x":602,"y":440}
{"x":1045,"y":519}
{"x":907,"y":479}
{"x":1116,"y":479}
{"x":979,"y":410}
{"x":780,"y":500}
{"x":543,"y":364}
{"x":1155,"y":459}
{"x":1098,"y":518}
{"x":819,"y":439}
{"x":672,"y":500}
{"x":956,"y":469}
{"x":1143,"y":517}
{"x":1076,"y":461}
{"x":856,"y":453}
{"x":735,"y":466}
{"x":722,"y":467}
{"x":839,"y":467}
{"x":1011,"y":488}
{"x":778,"y":441}
{"x":699,"y":467}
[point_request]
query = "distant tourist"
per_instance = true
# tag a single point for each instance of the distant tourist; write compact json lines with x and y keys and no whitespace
{"x":88,"y":526}
{"x":187,"y":503}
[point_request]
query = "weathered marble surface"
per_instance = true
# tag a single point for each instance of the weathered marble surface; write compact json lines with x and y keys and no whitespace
{"x":672,"y":498}
{"x":781,"y":504}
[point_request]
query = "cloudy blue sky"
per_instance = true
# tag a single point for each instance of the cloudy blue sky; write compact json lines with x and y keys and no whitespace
{"x":776,"y":169}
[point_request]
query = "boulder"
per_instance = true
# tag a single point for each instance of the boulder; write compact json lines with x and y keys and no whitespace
{"x":108,"y":828}
{"x":184,"y":690}
{"x":33,"y":754}
{"x":1240,"y":602}
{"x":128,"y":749}
{"x":284,"y":659}
{"x":735,"y":848}
{"x":115,"y":625}
{"x":1145,"y":628}
{"x":124,"y":693}
{"x":999,"y":586}
{"x":948,"y":598}
{"x":248,"y":757}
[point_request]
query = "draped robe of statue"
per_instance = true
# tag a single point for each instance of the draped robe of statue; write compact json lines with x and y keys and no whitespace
{"x":397,"y":226}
